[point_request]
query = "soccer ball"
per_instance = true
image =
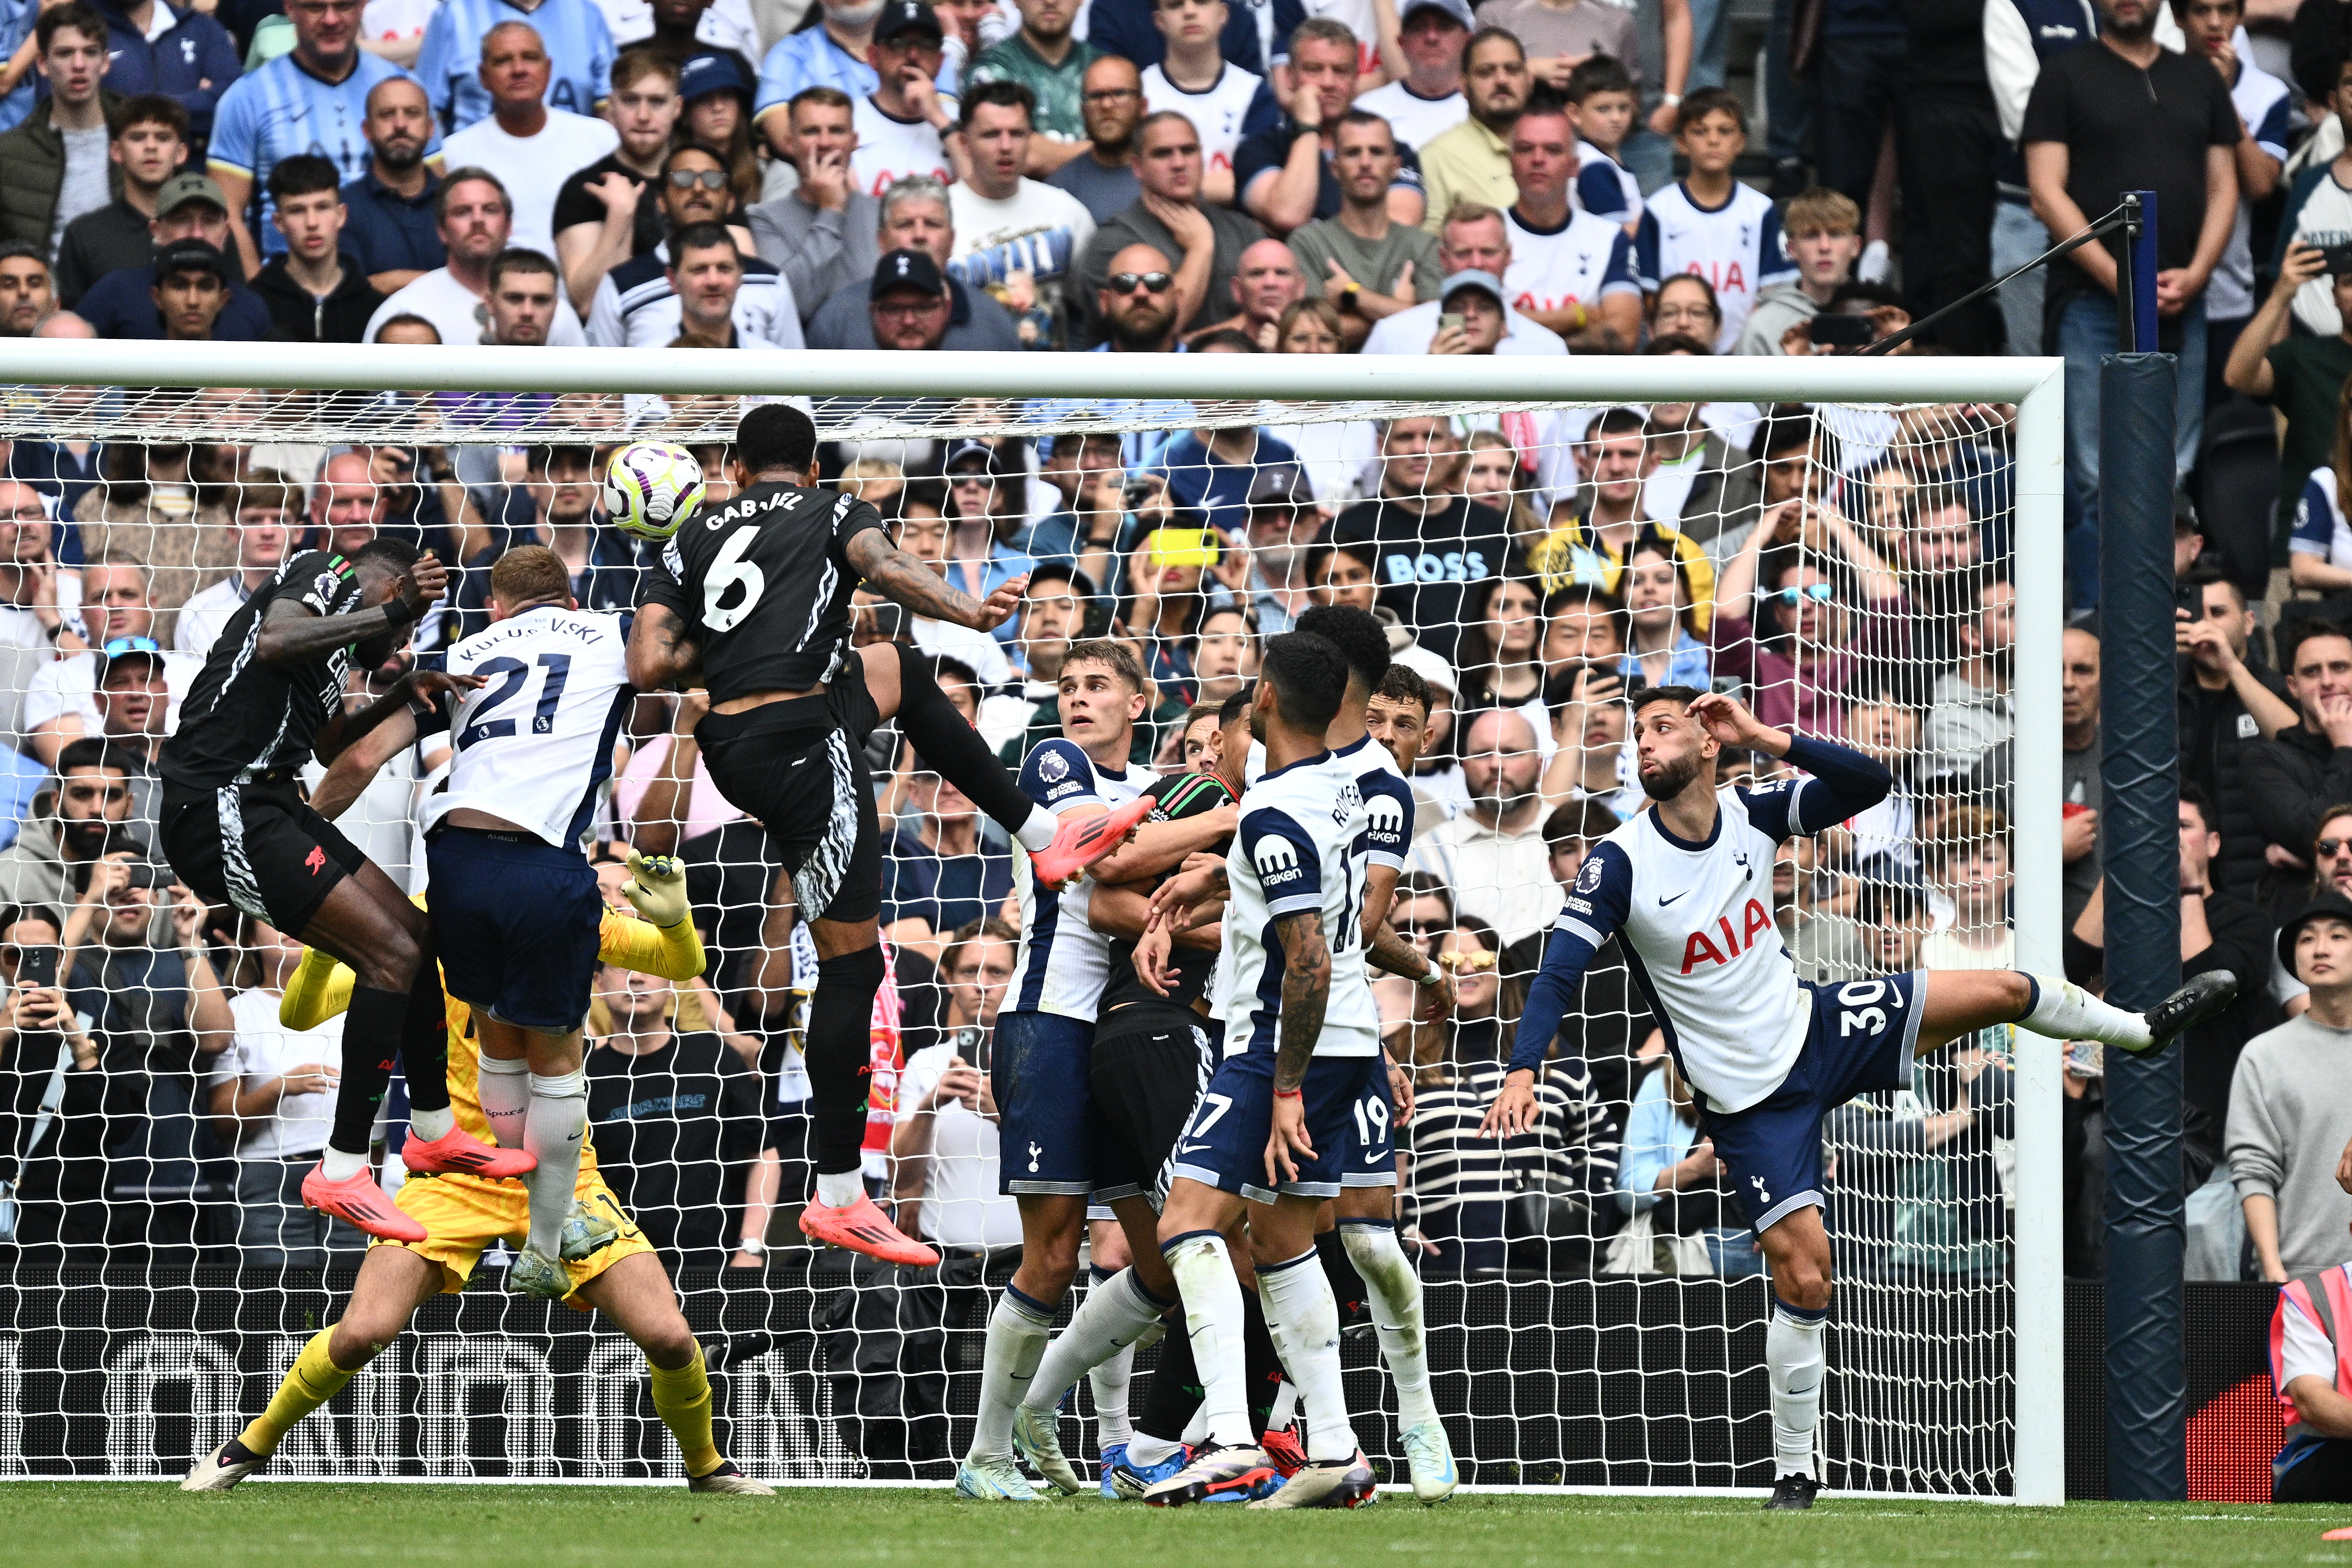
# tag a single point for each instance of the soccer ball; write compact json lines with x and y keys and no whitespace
{"x":652,"y":487}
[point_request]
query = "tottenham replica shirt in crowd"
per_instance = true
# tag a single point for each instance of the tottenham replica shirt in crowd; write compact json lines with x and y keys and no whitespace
{"x":1735,"y":247}
{"x":1301,"y":846}
{"x":533,"y":746}
{"x":764,"y":583}
{"x":1581,"y":262}
{"x":1694,"y":922}
{"x":1063,"y":960}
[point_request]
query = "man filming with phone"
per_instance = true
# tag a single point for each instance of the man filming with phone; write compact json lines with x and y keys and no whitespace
{"x":52,"y":1110}
{"x":2303,"y":376}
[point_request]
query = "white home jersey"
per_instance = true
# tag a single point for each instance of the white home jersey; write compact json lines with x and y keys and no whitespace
{"x":890,"y":149}
{"x":1238,"y":104}
{"x":1063,"y":960}
{"x":1735,"y":247}
{"x":1300,"y":846}
{"x":1579,"y":263}
{"x":1606,"y":188}
{"x":1694,"y":922}
{"x":534,"y":745}
{"x":1387,"y":802}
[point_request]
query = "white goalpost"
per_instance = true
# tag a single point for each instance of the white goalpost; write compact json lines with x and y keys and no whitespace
{"x":144,"y":1314}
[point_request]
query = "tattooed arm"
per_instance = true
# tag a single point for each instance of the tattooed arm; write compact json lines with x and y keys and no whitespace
{"x":901,"y":578}
{"x":1305,"y":992}
{"x":662,"y":649}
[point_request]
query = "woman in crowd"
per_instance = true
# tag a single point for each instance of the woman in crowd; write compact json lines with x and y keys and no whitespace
{"x":1500,"y":653}
{"x":1684,"y":305}
{"x":718,"y":115}
{"x":1492,"y":476}
{"x":985,"y":506}
{"x":1661,"y":650}
{"x":1225,"y":653}
{"x":1480,"y":1205}
{"x":1325,"y":447}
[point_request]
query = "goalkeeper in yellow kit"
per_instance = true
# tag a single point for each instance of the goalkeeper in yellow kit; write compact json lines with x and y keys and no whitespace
{"x":463,"y":1213}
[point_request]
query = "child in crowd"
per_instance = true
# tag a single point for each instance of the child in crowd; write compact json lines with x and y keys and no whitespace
{"x":1824,"y":231}
{"x":1710,"y":224}
{"x":1600,"y":101}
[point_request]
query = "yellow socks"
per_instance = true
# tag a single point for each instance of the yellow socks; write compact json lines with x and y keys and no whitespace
{"x":310,"y":1382}
{"x":682,"y":1400}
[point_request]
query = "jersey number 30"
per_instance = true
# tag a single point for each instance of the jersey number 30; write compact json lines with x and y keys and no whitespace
{"x":510,"y":674}
{"x":730,"y":571}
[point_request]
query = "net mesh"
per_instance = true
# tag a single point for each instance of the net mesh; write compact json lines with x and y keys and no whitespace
{"x":1592,"y":1292}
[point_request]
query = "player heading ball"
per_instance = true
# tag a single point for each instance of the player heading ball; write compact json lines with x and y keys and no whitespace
{"x":1768,"y":1055}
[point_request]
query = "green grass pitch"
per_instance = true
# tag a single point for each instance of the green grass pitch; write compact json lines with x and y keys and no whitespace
{"x":408,"y":1526}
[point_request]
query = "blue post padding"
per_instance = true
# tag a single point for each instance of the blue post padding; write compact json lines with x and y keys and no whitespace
{"x":2141,"y":338}
{"x":2147,"y":1395}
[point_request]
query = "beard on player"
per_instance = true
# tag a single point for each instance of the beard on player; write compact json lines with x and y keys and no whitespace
{"x":1672,"y":776}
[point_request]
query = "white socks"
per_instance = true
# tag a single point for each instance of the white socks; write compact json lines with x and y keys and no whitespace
{"x":1106,"y":1324}
{"x":2066,"y":1011}
{"x":839,"y":1189}
{"x":341,"y":1167}
{"x":1304,"y":1319}
{"x":1037,"y":832}
{"x":1395,"y":1292}
{"x":431,"y":1124}
{"x":1017,"y":1330}
{"x":504,"y":1089}
{"x":1109,"y":1383}
{"x":1144,"y":1450}
{"x":1796,"y":1360}
{"x":1212,"y":1316}
{"x":555,"y":1125}
{"x":1285,"y":1407}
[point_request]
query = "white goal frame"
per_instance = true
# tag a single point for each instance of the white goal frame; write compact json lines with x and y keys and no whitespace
{"x":2035,"y":385}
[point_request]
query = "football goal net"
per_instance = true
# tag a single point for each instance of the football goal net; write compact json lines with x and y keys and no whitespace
{"x":1864,"y":549}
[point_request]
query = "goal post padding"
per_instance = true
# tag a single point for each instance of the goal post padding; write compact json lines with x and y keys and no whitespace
{"x":1945,"y":1357}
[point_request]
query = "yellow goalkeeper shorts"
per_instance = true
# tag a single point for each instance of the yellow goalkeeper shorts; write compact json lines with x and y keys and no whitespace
{"x":462,"y":1214}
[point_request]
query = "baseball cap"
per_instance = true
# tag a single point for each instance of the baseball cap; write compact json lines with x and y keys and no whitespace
{"x":712,"y":70}
{"x":902,"y":17}
{"x":994,"y":461}
{"x":1457,"y":9}
{"x":181,"y":189}
{"x":1431,"y":667}
{"x":190,"y":256}
{"x":1280,"y":483}
{"x":1471,"y":278}
{"x":123,"y":652}
{"x":908,"y":270}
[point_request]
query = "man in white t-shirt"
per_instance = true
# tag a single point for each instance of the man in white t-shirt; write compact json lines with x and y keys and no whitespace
{"x":1428,"y":101}
{"x":901,"y":124}
{"x":944,"y":1149}
{"x":271,"y":1095}
{"x":1474,"y":239}
{"x":532,"y":148}
{"x":1226,"y":104}
{"x":60,"y":705}
{"x":474,"y":218}
{"x":1005,"y":223}
{"x":263,"y":512}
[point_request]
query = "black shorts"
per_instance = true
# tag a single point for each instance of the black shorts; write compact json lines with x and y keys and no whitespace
{"x":258,"y":848}
{"x":799,"y":768}
{"x":1151,"y":1059}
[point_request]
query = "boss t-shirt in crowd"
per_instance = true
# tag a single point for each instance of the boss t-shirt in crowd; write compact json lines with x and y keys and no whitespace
{"x":1429,"y":563}
{"x":889,"y":149}
{"x":579,"y":55}
{"x":1413,"y":120}
{"x":575,"y":204}
{"x":2126,"y":128}
{"x":1267,"y":151}
{"x":1606,"y":187}
{"x":1103,"y":191}
{"x":2261,"y":103}
{"x":533,"y":168}
{"x":280,"y":109}
{"x":1375,"y":264}
{"x":1237,"y":105}
{"x":1735,"y":247}
{"x":1581,"y":262}
{"x":1037,"y":229}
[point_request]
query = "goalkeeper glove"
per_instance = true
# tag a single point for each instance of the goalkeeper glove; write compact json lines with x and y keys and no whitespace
{"x":657,"y":888}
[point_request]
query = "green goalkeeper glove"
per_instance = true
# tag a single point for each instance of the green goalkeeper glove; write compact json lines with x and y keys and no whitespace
{"x":657,"y":888}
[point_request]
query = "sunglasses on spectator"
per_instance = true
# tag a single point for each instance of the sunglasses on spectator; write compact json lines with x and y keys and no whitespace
{"x":1127,"y":282}
{"x":687,"y":178}
{"x":1470,"y":963}
{"x":1819,"y":592}
{"x":2330,"y":848}
{"x":116,"y":647}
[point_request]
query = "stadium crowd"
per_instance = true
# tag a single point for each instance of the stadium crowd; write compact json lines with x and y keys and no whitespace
{"x":1378,"y":176}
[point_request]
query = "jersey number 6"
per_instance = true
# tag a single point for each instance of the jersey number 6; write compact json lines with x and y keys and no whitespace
{"x":729,"y":569}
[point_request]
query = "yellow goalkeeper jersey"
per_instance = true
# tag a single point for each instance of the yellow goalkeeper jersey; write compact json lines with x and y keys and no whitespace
{"x":320,"y":989}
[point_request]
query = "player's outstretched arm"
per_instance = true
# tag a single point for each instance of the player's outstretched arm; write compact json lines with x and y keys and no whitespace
{"x":1305,"y":994}
{"x":346,"y":729}
{"x":293,"y":633}
{"x":354,"y":768}
{"x":901,"y":578}
{"x":662,"y":649}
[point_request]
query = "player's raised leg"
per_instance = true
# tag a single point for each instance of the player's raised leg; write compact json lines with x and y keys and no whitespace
{"x":1958,"y":1002}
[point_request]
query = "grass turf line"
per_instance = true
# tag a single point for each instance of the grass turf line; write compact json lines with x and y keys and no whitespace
{"x":347,"y":1526}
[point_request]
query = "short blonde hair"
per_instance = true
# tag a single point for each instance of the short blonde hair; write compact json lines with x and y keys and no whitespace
{"x":1821,"y":210}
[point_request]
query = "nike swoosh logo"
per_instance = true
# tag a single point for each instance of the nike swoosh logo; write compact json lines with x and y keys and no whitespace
{"x":1663,"y":901}
{"x":1192,"y":1149}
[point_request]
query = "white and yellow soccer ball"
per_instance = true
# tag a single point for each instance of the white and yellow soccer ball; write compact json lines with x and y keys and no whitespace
{"x":651,"y":488}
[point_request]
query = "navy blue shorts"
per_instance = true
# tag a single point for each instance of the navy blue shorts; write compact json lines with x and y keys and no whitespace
{"x":1862,"y":1035}
{"x":1348,"y":1121}
{"x":1044,"y":1128}
{"x":515,"y":924}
